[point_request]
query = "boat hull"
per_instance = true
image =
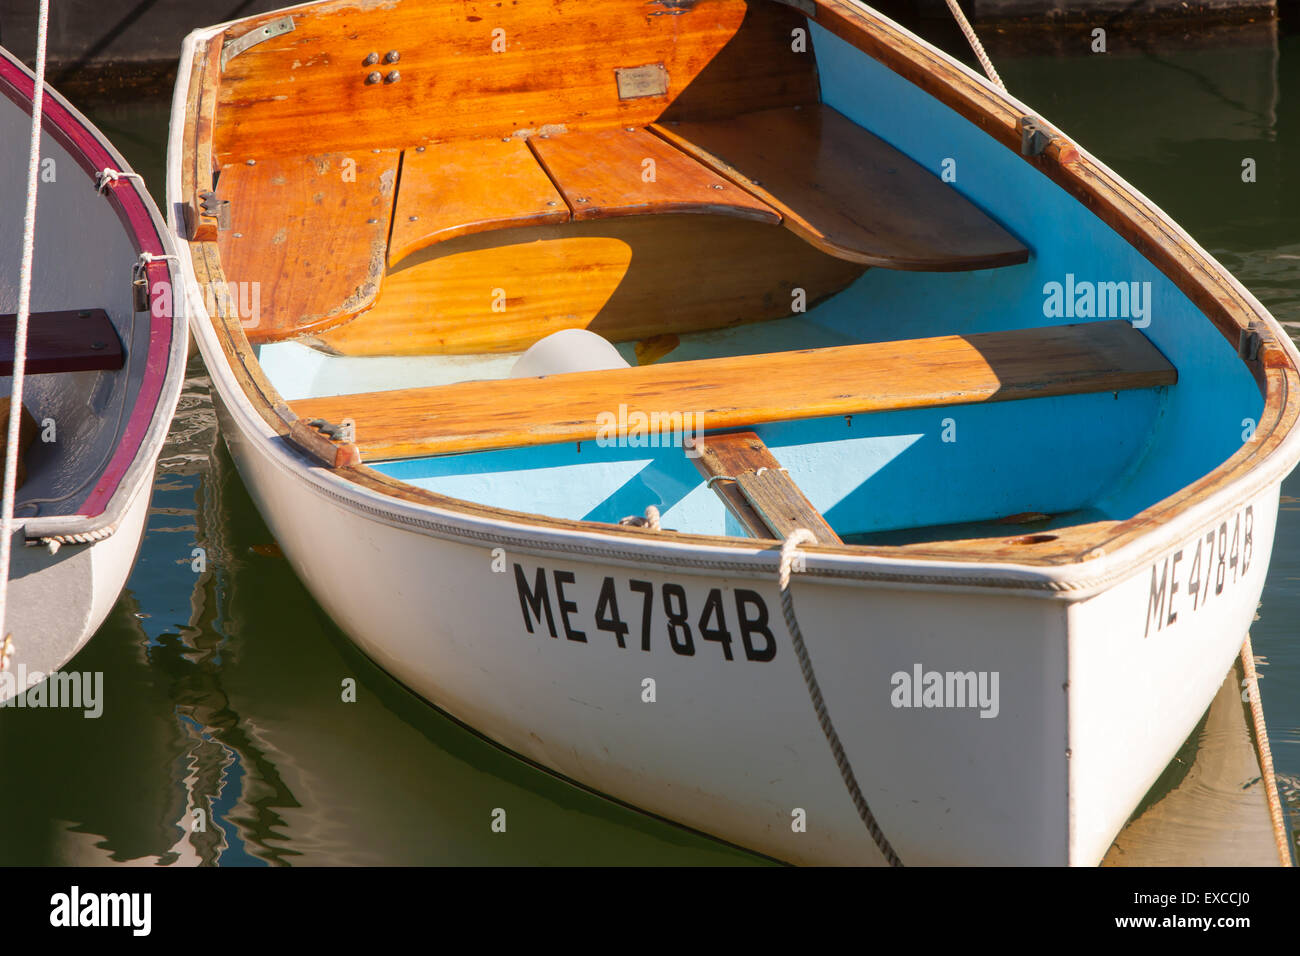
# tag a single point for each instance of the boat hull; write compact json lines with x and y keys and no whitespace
{"x":998,"y":705}
{"x":1088,"y":706}
{"x":81,"y":511}
{"x":61,"y":599}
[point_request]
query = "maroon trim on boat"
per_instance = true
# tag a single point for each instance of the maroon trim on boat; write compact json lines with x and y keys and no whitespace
{"x":86,"y":146}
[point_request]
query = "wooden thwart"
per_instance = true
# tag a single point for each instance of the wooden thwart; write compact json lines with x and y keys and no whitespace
{"x":627,"y":172}
{"x":82,"y":340}
{"x":741,"y":391}
{"x":756,"y":489}
{"x":848,"y":192}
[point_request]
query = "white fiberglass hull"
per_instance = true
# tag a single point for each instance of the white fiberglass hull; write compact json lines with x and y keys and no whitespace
{"x":61,"y":599}
{"x":1090,"y":703}
{"x":993,"y":713}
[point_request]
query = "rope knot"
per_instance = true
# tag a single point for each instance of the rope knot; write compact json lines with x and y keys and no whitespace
{"x":789,"y":553}
{"x":107,"y":175}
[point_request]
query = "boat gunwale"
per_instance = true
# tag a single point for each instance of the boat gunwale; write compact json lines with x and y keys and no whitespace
{"x":1115,"y":550}
{"x":130,"y":469}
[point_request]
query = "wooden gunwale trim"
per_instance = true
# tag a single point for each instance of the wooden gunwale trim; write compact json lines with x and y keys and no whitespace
{"x":197,"y":166}
{"x":1148,"y":233}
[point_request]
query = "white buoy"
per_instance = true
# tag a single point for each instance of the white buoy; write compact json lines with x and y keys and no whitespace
{"x":569,"y":350}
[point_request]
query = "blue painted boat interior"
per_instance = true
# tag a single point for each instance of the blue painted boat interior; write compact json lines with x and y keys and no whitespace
{"x":1092,"y":456}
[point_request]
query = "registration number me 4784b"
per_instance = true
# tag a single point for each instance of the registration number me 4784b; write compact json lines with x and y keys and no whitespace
{"x":637,"y":614}
{"x":1187,"y":580}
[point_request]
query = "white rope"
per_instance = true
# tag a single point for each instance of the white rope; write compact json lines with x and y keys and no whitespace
{"x":788,"y":553}
{"x":975,"y":44}
{"x":107,"y":175}
{"x":24,"y":311}
{"x":53,"y":542}
{"x":650,"y":521}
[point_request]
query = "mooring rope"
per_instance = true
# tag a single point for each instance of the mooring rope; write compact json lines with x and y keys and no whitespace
{"x":24,"y":311}
{"x":1280,"y":837}
{"x":650,"y":521}
{"x":797,"y":537}
{"x":975,"y":44}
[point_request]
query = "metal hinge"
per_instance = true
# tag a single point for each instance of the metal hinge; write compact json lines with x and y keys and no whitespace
{"x":345,"y":431}
{"x":253,"y":37}
{"x":1249,"y":344}
{"x":218,"y":209}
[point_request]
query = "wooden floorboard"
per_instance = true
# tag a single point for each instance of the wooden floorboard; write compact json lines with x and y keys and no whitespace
{"x":455,"y":189}
{"x":628,"y":172}
{"x":309,"y":232}
{"x":741,"y":391}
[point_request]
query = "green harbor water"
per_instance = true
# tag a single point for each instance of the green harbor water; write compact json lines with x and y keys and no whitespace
{"x":223,"y":676}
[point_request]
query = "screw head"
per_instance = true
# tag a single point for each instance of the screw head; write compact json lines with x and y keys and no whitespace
{"x":392,"y":77}
{"x":252,"y":162}
{"x":419,"y":149}
{"x":392,"y":56}
{"x":412,"y":218}
{"x":239,"y":235}
{"x":370,"y":60}
{"x":372,"y":78}
{"x":583,"y":199}
{"x":717,"y":185}
{"x":371,"y":222}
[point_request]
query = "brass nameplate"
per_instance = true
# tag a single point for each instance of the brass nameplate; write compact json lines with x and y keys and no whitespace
{"x":636,"y":81}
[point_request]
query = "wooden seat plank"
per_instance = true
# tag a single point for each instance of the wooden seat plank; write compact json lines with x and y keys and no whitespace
{"x":312,"y":228}
{"x":848,"y":192}
{"x":455,"y":189}
{"x":626,"y":172}
{"x":81,"y":340}
{"x":756,"y":489}
{"x":741,"y":391}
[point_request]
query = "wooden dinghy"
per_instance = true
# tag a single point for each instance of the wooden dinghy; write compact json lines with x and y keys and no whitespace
{"x":536,"y":330}
{"x":105,"y":358}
